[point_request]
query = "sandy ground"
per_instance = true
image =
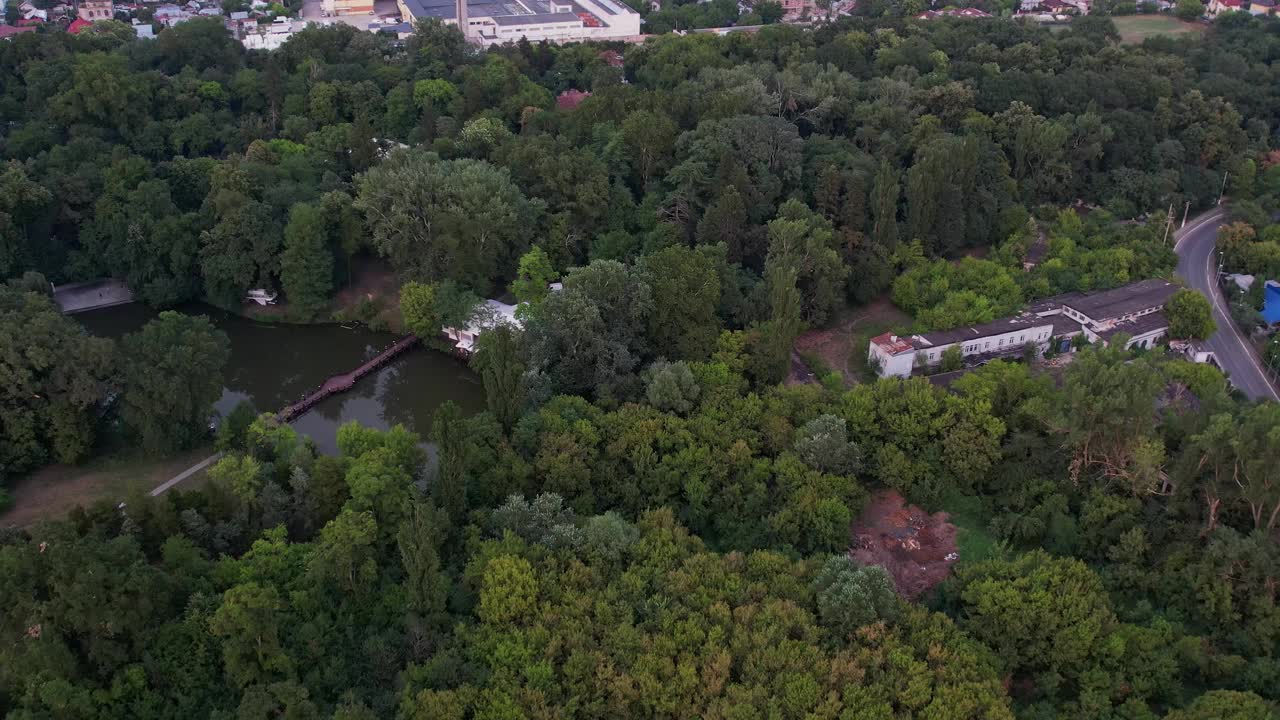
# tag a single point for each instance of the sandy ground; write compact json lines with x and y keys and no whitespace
{"x":54,"y":490}
{"x":918,"y":549}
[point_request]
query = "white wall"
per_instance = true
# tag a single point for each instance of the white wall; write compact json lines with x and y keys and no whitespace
{"x":1001,"y":342}
{"x":892,"y":365}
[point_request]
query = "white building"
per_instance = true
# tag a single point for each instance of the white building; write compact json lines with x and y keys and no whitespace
{"x":493,"y":21}
{"x":271,"y":36}
{"x":490,"y":314}
{"x":1134,"y":310}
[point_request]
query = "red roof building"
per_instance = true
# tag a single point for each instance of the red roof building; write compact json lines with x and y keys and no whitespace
{"x":613,"y":58}
{"x":571,"y":99}
{"x":78,"y":25}
{"x":8,"y":31}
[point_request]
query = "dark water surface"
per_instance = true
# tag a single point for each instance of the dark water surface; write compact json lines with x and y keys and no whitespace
{"x":274,"y":365}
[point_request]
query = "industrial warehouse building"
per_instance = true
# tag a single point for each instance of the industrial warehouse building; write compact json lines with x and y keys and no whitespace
{"x":1134,"y":310}
{"x":500,"y":21}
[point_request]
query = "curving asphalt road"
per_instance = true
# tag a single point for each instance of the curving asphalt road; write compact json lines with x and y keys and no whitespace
{"x":1197,"y":266}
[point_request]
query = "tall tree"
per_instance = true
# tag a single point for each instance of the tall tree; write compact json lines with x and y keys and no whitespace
{"x":449,"y":486}
{"x":171,"y":374}
{"x":884,"y":207}
{"x":777,"y":337}
{"x":497,"y":358}
{"x":534,"y":276}
{"x":803,"y":240}
{"x":436,"y":219}
{"x":419,"y":540}
{"x":55,"y":376}
{"x":686,"y":293}
{"x":306,"y":266}
{"x":1190,"y":316}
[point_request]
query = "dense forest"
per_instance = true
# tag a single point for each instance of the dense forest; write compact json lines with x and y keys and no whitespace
{"x":643,"y":522}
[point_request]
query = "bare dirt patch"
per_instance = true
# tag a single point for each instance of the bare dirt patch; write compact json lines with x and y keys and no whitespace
{"x":843,"y":345}
{"x":916,"y":548}
{"x":54,"y":490}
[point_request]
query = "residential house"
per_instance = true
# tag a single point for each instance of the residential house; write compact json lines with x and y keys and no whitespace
{"x":95,"y":10}
{"x":334,"y":8}
{"x":1262,"y":7}
{"x":1217,"y":7}
{"x":1133,"y":310}
{"x":1048,"y":6}
{"x":270,"y":36}
{"x":953,"y":12}
{"x":798,"y":9}
{"x":571,"y":99}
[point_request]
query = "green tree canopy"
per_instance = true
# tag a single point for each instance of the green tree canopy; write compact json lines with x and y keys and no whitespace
{"x":171,"y":374}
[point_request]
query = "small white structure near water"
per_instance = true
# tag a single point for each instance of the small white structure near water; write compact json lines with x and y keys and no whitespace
{"x":488,"y":314}
{"x":262,"y":297}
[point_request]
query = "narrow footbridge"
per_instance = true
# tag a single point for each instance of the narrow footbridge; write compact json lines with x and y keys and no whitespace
{"x":342,"y":383}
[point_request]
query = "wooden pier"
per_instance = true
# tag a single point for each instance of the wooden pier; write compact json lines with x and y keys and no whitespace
{"x":342,"y":383}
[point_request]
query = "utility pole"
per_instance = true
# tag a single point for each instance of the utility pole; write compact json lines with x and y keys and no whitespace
{"x":1185,"y":210}
{"x":1223,"y":191}
{"x":1168,"y":223}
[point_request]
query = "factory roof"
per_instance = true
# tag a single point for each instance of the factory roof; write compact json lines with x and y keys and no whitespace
{"x":535,"y":18}
{"x":1124,"y":300}
{"x":1137,"y":326}
{"x":974,"y":332}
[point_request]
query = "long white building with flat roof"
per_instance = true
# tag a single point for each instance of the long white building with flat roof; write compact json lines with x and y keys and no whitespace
{"x":499,"y":21}
{"x":1134,"y":310}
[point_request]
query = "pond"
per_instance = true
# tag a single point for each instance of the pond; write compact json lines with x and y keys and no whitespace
{"x":273,"y":365}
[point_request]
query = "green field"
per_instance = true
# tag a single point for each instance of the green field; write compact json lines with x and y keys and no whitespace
{"x":1136,"y":28}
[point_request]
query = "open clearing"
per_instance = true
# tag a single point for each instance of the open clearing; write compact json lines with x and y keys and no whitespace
{"x":916,"y":548}
{"x":1136,"y":28}
{"x":54,"y":490}
{"x":843,"y":345}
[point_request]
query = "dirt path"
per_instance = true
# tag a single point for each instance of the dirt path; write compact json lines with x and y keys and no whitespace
{"x":186,"y":473}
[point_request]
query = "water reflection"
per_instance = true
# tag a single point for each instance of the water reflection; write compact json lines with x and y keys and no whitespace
{"x":274,"y":365}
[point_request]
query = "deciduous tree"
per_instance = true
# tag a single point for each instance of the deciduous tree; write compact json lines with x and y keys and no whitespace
{"x":171,"y":374}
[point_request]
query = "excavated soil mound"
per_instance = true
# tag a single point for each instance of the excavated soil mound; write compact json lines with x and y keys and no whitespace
{"x":916,"y":548}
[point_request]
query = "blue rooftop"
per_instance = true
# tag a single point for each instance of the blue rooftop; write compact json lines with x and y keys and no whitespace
{"x":1271,"y":302}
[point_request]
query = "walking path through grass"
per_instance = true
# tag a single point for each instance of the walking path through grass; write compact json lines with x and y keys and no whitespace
{"x":52,"y":491}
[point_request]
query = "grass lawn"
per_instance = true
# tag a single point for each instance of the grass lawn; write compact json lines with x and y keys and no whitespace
{"x":1136,"y":28}
{"x":973,"y":541}
{"x":52,"y":491}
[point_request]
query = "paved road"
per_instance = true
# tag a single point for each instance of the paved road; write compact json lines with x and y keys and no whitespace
{"x":1197,"y":265}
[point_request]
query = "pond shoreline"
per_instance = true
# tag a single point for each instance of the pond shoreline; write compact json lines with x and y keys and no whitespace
{"x":273,"y":365}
